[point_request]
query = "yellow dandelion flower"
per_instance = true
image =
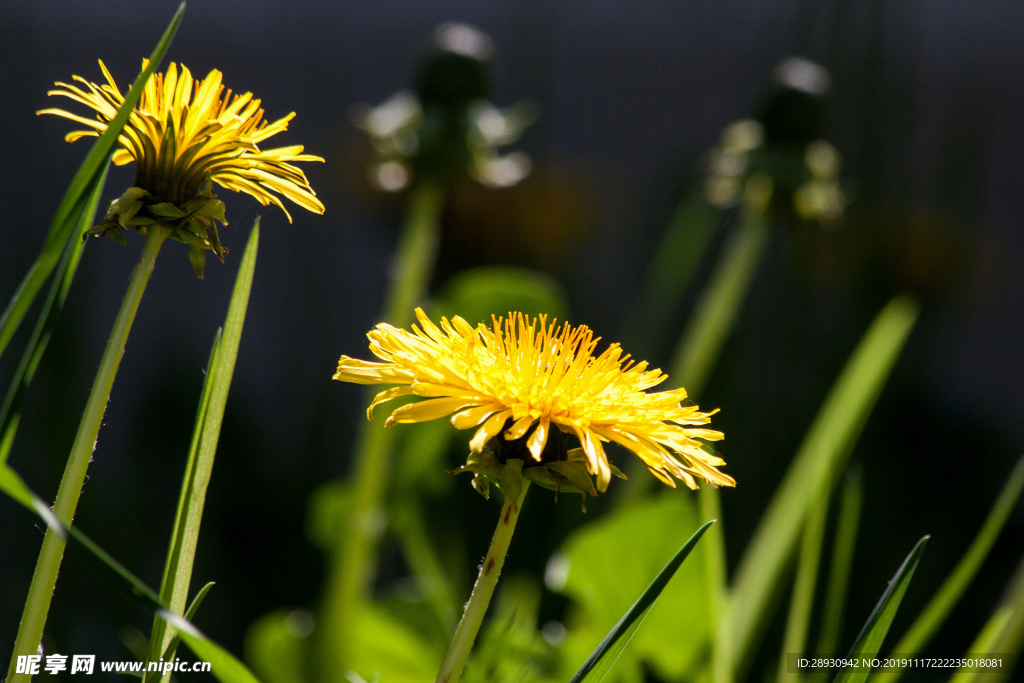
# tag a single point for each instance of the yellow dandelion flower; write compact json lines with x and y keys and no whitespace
{"x":517,"y":380}
{"x":184,"y":134}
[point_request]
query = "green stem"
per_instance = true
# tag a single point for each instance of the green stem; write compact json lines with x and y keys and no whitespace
{"x":354,"y":560}
{"x":473,"y":615}
{"x":37,"y":605}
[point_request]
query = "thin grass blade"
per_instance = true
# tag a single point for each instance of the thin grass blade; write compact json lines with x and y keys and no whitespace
{"x":815,"y":468}
{"x":869,"y":642}
{"x":199,"y":467}
{"x":224,"y":666}
{"x":601,"y":660}
{"x":189,"y":615}
{"x":10,"y":413}
{"x":76,"y":197}
{"x":946,"y":598}
{"x":1002,"y":636}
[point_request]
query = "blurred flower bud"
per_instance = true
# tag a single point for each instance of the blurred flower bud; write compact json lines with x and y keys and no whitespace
{"x":457,"y":68}
{"x":794,"y":104}
{"x":778,"y":160}
{"x":448,"y":126}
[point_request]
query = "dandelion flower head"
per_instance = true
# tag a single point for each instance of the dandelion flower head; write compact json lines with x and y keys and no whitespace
{"x":529,"y":382}
{"x":185,"y":132}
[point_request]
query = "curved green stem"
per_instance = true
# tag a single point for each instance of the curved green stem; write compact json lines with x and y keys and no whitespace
{"x":473,"y":615}
{"x":37,"y":605}
{"x":354,"y":560}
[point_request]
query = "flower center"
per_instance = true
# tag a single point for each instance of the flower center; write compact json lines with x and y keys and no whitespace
{"x":556,"y":449}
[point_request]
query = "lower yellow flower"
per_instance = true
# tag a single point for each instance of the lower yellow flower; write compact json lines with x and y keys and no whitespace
{"x":519,"y":379}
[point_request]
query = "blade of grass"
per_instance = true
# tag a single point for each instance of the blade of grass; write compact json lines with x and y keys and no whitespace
{"x":189,"y":615}
{"x":225,"y":667}
{"x":869,"y":642}
{"x":822,"y":455}
{"x":949,"y":594}
{"x":795,"y":638}
{"x":199,"y":467}
{"x":10,"y":413}
{"x":839,"y":572}
{"x":600,"y":662}
{"x":1002,"y":635}
{"x":76,"y":198}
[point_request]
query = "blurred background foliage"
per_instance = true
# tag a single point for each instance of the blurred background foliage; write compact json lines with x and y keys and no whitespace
{"x":630,"y":104}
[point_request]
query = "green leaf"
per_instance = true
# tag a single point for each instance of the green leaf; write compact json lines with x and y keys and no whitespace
{"x":1002,"y":634}
{"x":814,"y":470}
{"x":199,"y":466}
{"x":869,"y":642}
{"x":946,"y":598}
{"x":224,"y":667}
{"x":190,"y":615}
{"x":601,"y":660}
{"x":277,"y":646}
{"x":76,"y":197}
{"x":10,"y":413}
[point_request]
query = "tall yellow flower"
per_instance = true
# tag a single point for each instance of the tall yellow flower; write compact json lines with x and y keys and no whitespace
{"x":517,"y":380}
{"x":184,"y":135}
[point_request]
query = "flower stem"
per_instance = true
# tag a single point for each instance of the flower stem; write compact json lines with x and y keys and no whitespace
{"x":40,"y":592}
{"x":354,"y":560}
{"x":473,"y":615}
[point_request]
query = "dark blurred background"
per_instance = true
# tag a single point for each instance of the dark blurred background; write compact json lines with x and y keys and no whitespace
{"x":928,"y":106}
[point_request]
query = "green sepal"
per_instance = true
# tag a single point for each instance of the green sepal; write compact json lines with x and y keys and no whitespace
{"x":197,"y":255}
{"x":166,"y":210}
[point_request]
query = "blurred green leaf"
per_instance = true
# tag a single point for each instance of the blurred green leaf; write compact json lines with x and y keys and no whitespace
{"x":385,"y":647}
{"x":814,"y":470}
{"x":479,"y":293}
{"x":869,"y":642}
{"x":277,"y":646}
{"x":606,"y":562}
{"x":946,"y":598}
{"x":10,"y":413}
{"x":199,"y":466}
{"x":224,"y":666}
{"x":76,"y":198}
{"x":511,"y":649}
{"x":1003,"y":634}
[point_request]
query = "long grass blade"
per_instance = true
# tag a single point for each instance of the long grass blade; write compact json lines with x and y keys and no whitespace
{"x":199,"y":467}
{"x":1002,"y":635}
{"x":224,"y":666}
{"x":839,"y":571}
{"x":10,"y":413}
{"x":601,"y":660}
{"x":189,"y":615}
{"x":76,"y":198}
{"x":814,"y":469}
{"x":869,"y":642}
{"x":943,"y":602}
